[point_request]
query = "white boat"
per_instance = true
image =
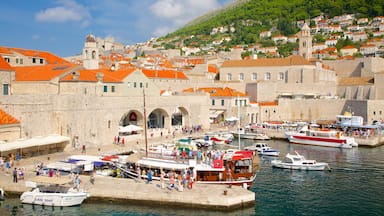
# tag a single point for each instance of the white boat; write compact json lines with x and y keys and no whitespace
{"x":263,"y":149}
{"x":298,"y":162}
{"x":2,"y":194}
{"x":246,"y":134}
{"x":321,"y":137}
{"x":52,"y":191}
{"x":235,"y":168}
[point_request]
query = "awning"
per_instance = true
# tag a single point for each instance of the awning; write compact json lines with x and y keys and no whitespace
{"x":215,"y":113}
{"x":34,"y":142}
{"x":129,"y":129}
{"x":231,"y":119}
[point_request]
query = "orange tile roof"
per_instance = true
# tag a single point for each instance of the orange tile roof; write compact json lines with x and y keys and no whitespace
{"x":41,"y":72}
{"x":49,"y":57}
{"x":5,"y":118}
{"x":165,"y":74}
{"x":212,"y":68}
{"x":353,"y":81}
{"x":4,"y":66}
{"x":348,"y":47}
{"x":109,"y":75}
{"x":218,"y":92}
{"x":268,"y":103}
{"x":291,"y":60}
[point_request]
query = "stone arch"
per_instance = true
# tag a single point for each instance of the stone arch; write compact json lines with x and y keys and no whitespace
{"x":180,"y":117}
{"x":158,"y":118}
{"x":132,"y":117}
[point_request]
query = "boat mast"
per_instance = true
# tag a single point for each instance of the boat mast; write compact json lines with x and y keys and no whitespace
{"x":238,"y":116}
{"x":145,"y":126}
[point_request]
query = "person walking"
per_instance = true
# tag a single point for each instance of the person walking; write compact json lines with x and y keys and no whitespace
{"x":14,"y":175}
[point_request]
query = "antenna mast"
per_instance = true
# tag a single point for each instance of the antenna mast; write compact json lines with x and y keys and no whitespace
{"x":145,"y":126}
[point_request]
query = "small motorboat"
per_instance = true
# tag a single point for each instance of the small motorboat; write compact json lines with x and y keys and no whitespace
{"x":2,"y":194}
{"x":298,"y":162}
{"x":53,"y":191}
{"x":263,"y":149}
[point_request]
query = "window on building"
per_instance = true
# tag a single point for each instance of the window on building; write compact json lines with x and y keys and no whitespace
{"x":213,"y":102}
{"x":105,"y":89}
{"x":112,"y":88}
{"x":41,"y":61}
{"x":141,"y":85}
{"x":268,"y":76}
{"x":134,"y":85}
{"x":222,"y":102}
{"x":5,"y":89}
{"x":33,"y":60}
{"x":17,"y":60}
{"x":229,"y":77}
{"x":281,"y":76}
{"x":21,"y":61}
{"x":241,"y":77}
{"x":254,"y":76}
{"x":7,"y":59}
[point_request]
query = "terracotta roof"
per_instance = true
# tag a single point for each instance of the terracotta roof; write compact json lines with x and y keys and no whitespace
{"x":4,"y":66}
{"x":164,"y":73}
{"x":212,"y":68}
{"x":268,"y":103}
{"x":109,"y":76}
{"x":49,"y":57}
{"x":218,"y":92}
{"x":291,"y":60}
{"x":353,"y":81}
{"x":5,"y":118}
{"x":348,"y":47}
{"x":41,"y":72}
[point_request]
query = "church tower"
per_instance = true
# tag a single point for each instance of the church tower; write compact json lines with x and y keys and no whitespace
{"x":90,"y":53}
{"x":305,"y":42}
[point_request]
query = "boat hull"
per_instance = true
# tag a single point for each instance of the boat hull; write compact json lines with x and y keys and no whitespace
{"x":317,"y":167}
{"x":346,"y":142}
{"x":53,"y":199}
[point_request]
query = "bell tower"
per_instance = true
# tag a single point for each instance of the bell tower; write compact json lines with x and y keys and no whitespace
{"x":305,"y":42}
{"x":90,"y":53}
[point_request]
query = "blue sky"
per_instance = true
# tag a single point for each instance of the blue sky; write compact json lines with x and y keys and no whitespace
{"x":60,"y":26}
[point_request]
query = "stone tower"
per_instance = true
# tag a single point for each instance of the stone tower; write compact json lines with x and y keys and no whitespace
{"x":90,"y":53}
{"x":305,"y":42}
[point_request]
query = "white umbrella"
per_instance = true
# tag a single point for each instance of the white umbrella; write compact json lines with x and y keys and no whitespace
{"x":129,"y":128}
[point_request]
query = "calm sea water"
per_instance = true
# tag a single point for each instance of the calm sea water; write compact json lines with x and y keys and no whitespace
{"x":354,"y":186}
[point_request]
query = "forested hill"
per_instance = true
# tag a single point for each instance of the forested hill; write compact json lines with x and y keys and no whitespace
{"x":249,"y":17}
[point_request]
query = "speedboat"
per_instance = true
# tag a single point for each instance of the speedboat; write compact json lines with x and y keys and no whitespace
{"x":298,"y":162}
{"x":52,"y":191}
{"x":263,"y":149}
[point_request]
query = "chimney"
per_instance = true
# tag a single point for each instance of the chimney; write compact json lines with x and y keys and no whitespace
{"x":76,"y":75}
{"x":99,"y":77}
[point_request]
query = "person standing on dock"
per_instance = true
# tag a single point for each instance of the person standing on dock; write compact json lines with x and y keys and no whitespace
{"x":14,"y":175}
{"x":149,"y":176}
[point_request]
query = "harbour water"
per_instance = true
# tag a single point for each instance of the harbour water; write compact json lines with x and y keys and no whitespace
{"x":353,"y":186}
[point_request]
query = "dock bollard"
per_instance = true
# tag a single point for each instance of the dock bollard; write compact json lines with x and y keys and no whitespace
{"x":225,"y":192}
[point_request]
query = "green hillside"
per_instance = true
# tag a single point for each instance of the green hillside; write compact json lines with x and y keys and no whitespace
{"x":250,"y":17}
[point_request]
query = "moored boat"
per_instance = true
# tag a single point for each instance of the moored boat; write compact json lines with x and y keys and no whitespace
{"x":321,"y":137}
{"x":299,"y":162}
{"x":263,"y":149}
{"x":53,"y":191}
{"x":235,"y":168}
{"x":2,"y":194}
{"x":246,"y":134}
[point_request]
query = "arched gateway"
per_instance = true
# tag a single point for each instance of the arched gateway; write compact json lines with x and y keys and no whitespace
{"x":157,"y":118}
